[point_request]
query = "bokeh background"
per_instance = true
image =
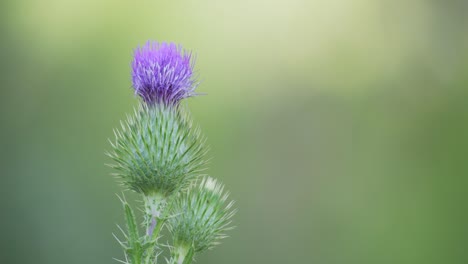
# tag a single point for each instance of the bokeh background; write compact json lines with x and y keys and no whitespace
{"x":340,"y":127}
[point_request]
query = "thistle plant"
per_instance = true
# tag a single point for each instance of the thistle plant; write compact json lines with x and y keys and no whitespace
{"x":159,"y":154}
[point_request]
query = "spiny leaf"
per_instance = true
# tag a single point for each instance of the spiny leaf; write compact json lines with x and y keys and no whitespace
{"x":131,"y":225}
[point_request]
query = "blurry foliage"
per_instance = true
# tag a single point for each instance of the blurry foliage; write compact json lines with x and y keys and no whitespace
{"x":340,"y":126}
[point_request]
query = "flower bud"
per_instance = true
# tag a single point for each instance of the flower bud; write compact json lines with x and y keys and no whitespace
{"x":157,"y":151}
{"x":200,"y":217}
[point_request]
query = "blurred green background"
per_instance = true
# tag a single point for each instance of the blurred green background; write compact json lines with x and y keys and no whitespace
{"x":340,"y":127}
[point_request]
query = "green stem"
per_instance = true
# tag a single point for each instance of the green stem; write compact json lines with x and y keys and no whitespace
{"x":157,"y":218}
{"x":161,"y":220}
{"x":189,"y":257}
{"x":182,"y":256}
{"x":159,"y":223}
{"x":136,"y":258}
{"x":154,"y":226}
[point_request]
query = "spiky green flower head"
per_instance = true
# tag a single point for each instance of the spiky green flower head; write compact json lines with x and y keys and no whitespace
{"x":200,"y":217}
{"x":157,"y":151}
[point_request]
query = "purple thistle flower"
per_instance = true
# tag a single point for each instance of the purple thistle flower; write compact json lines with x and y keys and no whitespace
{"x":163,"y":73}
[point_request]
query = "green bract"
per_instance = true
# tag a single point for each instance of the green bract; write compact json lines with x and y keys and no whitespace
{"x":157,"y":151}
{"x":200,"y":217}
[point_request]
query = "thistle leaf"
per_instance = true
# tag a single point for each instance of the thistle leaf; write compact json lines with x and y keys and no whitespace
{"x":134,"y":249}
{"x":131,"y":225}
